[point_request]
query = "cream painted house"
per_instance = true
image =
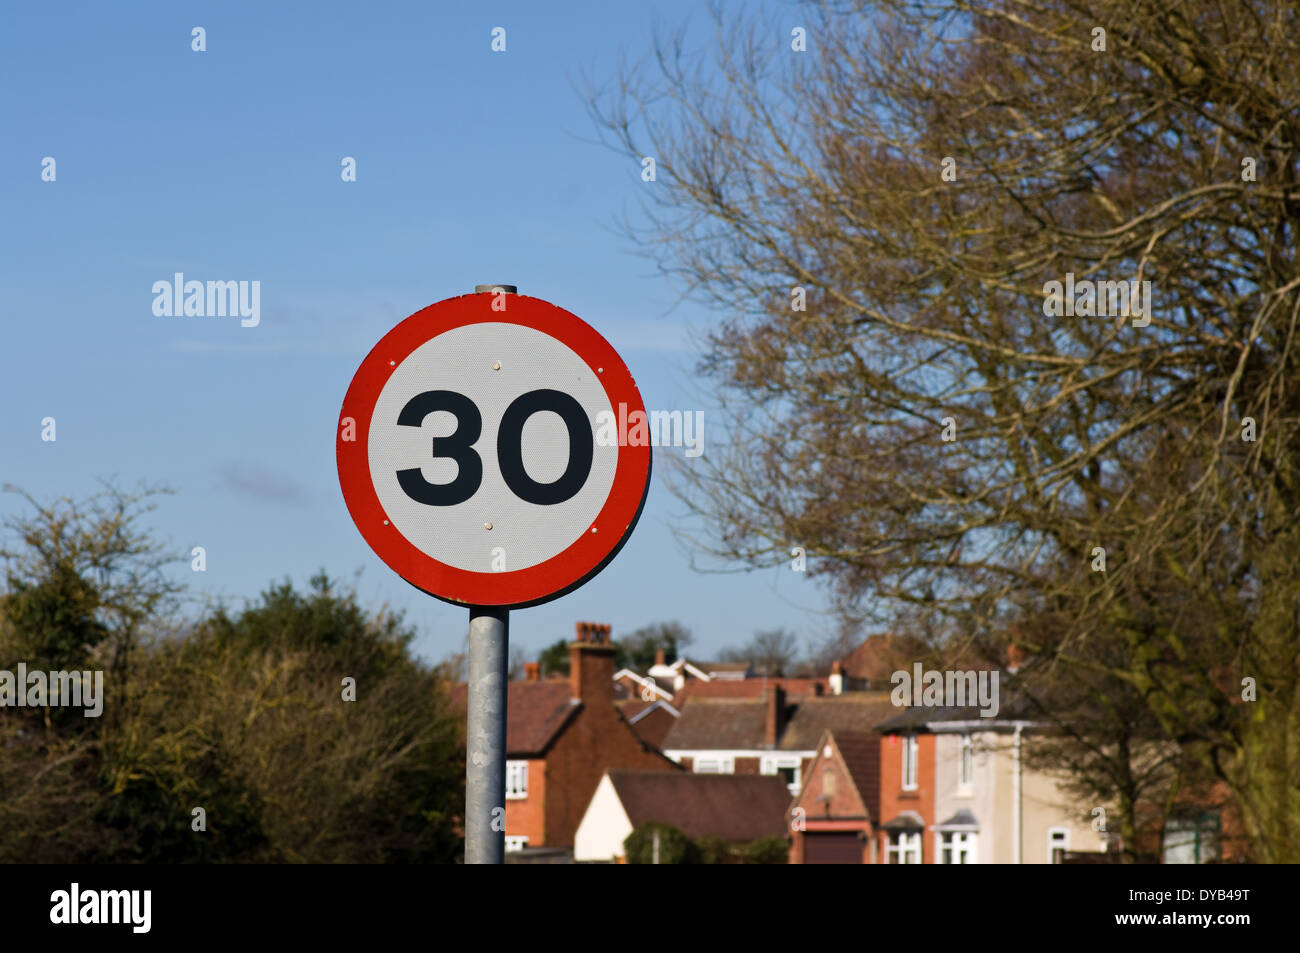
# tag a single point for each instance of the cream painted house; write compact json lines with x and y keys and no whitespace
{"x":736,"y":808}
{"x":988,"y":802}
{"x":989,"y":805}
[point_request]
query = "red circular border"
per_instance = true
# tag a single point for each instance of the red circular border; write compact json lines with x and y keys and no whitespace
{"x":563,"y":572}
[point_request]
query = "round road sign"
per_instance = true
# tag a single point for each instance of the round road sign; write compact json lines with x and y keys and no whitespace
{"x":470,"y":451}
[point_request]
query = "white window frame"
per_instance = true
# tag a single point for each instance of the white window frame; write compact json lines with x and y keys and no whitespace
{"x":725,"y":765}
{"x":1057,"y":837}
{"x":954,"y":844}
{"x":773,"y":763}
{"x":516,"y":780}
{"x":901,"y":845}
{"x":965,"y":764}
{"x":910,"y":749}
{"x":514,"y":843}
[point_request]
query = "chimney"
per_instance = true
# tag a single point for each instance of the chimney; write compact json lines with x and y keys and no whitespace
{"x":773,"y":716}
{"x":837,"y":678}
{"x":659,"y":656}
{"x":591,"y":664}
{"x":532,"y":671}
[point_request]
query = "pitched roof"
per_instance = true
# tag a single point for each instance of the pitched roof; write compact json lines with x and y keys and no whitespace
{"x":854,"y":711}
{"x":713,"y":724}
{"x":718,"y":724}
{"x":905,"y":821}
{"x":750,"y":688}
{"x":536,"y":712}
{"x":650,"y":720}
{"x":735,"y":807}
{"x":880,"y":655}
{"x":861,"y":753}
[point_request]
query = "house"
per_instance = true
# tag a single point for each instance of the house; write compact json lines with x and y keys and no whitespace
{"x":651,"y":702}
{"x":650,"y":720}
{"x":955,"y":789}
{"x":562,"y":735}
{"x":737,"y":808}
{"x":770,"y":734}
{"x":834,"y":816}
{"x":681,"y":671}
{"x":870,"y":665}
{"x":793,"y":686}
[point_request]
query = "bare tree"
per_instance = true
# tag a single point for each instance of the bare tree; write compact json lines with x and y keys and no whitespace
{"x":892,"y":224}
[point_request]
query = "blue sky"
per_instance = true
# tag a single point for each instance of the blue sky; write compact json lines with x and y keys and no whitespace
{"x":472,"y":167}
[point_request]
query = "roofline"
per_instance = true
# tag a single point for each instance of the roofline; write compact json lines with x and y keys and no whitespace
{"x":651,"y":707}
{"x":644,"y":682}
{"x":574,"y":705}
{"x":985,"y":724}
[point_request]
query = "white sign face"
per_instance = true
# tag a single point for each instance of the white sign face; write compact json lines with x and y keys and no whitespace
{"x":468,"y":453}
{"x":420,"y":446}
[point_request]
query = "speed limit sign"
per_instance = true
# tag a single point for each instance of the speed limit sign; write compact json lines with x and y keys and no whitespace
{"x":468,"y":457}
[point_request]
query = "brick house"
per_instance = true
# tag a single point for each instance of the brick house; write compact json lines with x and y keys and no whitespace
{"x":562,"y":735}
{"x":771,"y":734}
{"x":833,"y":819}
{"x":906,"y":794}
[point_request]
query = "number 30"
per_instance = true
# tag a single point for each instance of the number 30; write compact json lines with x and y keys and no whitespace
{"x":510,"y":453}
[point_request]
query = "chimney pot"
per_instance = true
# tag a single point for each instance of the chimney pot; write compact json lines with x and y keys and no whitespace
{"x":659,"y":656}
{"x":532,"y":671}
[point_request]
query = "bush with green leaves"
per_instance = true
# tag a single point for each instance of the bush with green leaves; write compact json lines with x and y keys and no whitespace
{"x":674,"y":846}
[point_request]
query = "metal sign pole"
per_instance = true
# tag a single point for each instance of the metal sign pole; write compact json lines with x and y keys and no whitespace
{"x":485,"y":751}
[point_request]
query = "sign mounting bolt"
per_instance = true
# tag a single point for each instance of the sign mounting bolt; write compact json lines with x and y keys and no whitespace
{"x":487,"y":525}
{"x":496,"y":365}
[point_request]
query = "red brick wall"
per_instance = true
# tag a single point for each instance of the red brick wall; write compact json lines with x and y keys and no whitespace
{"x":747,"y":766}
{"x":524,"y":816}
{"x":843,"y":803}
{"x":894,"y":800}
{"x":596,"y":740}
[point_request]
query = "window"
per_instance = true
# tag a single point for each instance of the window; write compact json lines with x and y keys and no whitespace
{"x":957,"y":847}
{"x":715,"y":766}
{"x":516,"y":843}
{"x":904,"y":848}
{"x":1058,"y":842}
{"x":965,"y":763}
{"x":784,"y":765}
{"x":1191,"y":840}
{"x":828,"y":782}
{"x":909,"y":763}
{"x":516,"y":779}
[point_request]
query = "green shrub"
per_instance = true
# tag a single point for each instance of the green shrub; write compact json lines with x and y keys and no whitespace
{"x":766,"y":850}
{"x":674,"y":846}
